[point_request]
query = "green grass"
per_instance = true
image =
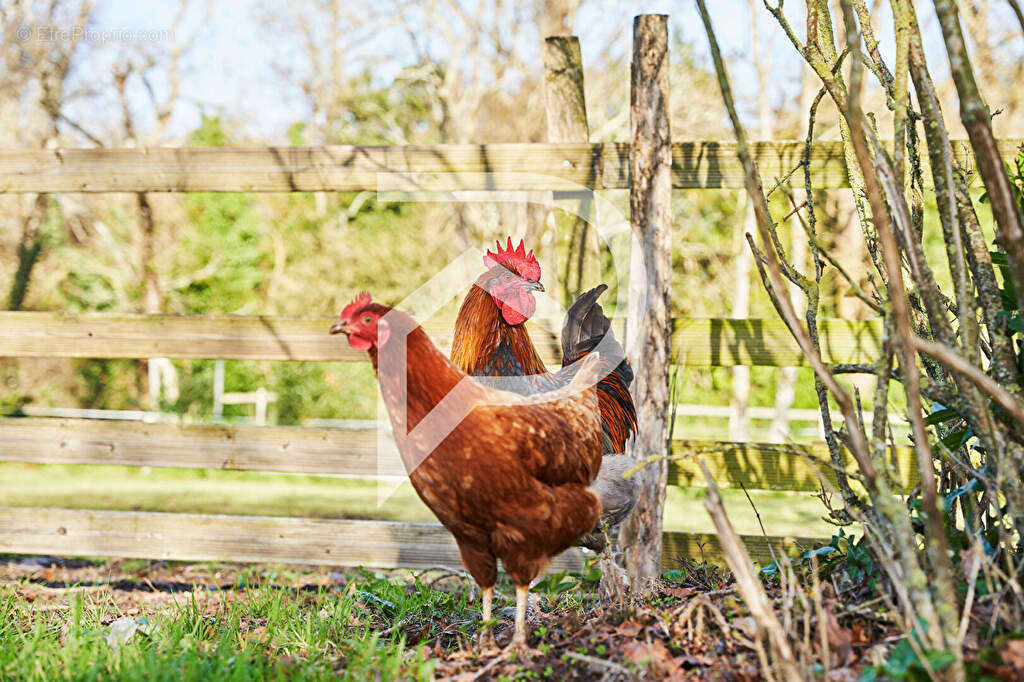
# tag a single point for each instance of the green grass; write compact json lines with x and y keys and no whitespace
{"x":256,"y":632}
{"x":250,"y":493}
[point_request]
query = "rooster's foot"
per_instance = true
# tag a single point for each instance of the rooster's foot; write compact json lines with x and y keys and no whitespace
{"x":486,"y":643}
{"x":518,"y":648}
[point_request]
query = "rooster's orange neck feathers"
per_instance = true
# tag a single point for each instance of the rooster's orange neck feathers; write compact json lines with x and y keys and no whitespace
{"x":480,"y":329}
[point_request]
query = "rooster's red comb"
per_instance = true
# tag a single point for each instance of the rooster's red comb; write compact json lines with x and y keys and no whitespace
{"x":516,"y":259}
{"x":357,"y":304}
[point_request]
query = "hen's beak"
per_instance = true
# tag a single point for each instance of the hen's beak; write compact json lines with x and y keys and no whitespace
{"x":339,"y":328}
{"x":535,"y":286}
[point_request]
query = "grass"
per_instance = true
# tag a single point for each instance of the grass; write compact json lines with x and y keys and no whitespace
{"x":254,"y":630}
{"x":251,"y":493}
{"x":266,"y":622}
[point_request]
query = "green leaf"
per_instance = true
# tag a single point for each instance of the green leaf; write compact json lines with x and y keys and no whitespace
{"x":940,"y":416}
{"x":820,"y":551}
{"x":939,"y":659}
{"x":957,"y":439}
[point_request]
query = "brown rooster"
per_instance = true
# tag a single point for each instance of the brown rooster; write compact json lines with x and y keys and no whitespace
{"x":491,"y":341}
{"x":508,"y":475}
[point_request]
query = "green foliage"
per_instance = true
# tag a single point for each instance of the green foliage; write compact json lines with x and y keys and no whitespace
{"x":84,"y":291}
{"x":107,"y":384}
{"x":843,"y":552}
{"x":266,"y":633}
{"x":402,"y":112}
{"x":222,"y":242}
{"x":905,"y":664}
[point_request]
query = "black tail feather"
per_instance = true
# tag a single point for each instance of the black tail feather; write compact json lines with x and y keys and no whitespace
{"x":586,"y":329}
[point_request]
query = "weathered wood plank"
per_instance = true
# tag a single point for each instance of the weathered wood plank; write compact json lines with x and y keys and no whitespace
{"x":705,"y":546}
{"x":545,"y":166}
{"x":289,"y":449}
{"x":696,"y":342}
{"x":353,"y":452}
{"x":205,"y":537}
{"x":726,"y":343}
{"x":264,"y":539}
{"x":300,"y":169}
{"x":765,"y":466}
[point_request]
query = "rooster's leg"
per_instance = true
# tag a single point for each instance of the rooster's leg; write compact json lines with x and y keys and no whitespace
{"x":486,"y":635}
{"x":519,"y":638}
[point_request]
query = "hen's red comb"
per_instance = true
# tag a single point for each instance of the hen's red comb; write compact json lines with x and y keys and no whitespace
{"x":516,"y":259}
{"x":357,"y":304}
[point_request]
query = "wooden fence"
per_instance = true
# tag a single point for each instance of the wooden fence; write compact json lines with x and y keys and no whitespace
{"x":308,"y":450}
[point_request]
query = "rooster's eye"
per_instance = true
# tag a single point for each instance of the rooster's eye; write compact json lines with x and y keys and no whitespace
{"x":508,"y":276}
{"x":367,"y":320}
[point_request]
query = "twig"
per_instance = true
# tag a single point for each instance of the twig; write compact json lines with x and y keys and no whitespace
{"x":796,"y":209}
{"x":937,"y":548}
{"x":763,"y":531}
{"x":754,"y":189}
{"x":483,"y":671}
{"x":600,"y":663}
{"x":959,"y":364}
{"x":749,"y":586}
{"x":1015,"y":6}
{"x":785,"y":177}
{"x":821,"y":250}
{"x":977,"y":120}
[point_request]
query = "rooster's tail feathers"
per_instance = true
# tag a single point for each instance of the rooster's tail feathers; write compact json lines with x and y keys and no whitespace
{"x":587,"y":328}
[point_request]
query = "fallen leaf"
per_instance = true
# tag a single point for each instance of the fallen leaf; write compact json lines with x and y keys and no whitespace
{"x":654,"y":653}
{"x":122,"y":629}
{"x":1013,"y":654}
{"x":629,"y":628}
{"x":840,"y":639}
{"x":681,"y":592}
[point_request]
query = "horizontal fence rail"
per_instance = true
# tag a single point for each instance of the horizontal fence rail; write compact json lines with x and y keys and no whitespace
{"x":353,"y":452}
{"x":271,"y":539}
{"x":534,"y":167}
{"x":695,"y":342}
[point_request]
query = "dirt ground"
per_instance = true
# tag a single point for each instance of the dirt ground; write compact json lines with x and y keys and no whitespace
{"x":691,"y":626}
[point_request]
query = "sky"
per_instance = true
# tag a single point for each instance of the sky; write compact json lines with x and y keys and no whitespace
{"x":236,"y":64}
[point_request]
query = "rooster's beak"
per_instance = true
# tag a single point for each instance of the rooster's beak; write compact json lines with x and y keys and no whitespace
{"x":536,"y":286}
{"x":339,"y":328}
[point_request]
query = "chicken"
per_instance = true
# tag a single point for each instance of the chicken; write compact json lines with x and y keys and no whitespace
{"x":507,"y":475}
{"x":491,"y":341}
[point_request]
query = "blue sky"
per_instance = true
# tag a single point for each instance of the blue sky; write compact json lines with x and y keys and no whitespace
{"x":235,"y":65}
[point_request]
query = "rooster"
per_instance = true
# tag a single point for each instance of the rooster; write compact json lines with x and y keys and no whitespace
{"x":491,"y":340}
{"x":507,"y":475}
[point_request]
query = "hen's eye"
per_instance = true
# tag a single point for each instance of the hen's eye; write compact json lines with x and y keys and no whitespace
{"x":367,"y":320}
{"x":508,"y":276}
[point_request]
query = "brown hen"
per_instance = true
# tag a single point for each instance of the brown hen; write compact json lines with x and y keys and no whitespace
{"x":507,"y":475}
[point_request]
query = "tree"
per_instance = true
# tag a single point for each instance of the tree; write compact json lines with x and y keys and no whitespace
{"x":46,"y":64}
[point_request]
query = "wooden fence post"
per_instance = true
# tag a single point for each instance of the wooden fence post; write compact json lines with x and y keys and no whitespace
{"x":566,"y":114}
{"x":649,"y":325}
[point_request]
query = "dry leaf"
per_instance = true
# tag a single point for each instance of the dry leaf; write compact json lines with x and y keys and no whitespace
{"x":629,"y":628}
{"x":655,"y":654}
{"x":840,"y":640}
{"x":1013,"y":654}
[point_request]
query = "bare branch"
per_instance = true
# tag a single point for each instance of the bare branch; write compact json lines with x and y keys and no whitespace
{"x":961,"y":365}
{"x":858,"y":442}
